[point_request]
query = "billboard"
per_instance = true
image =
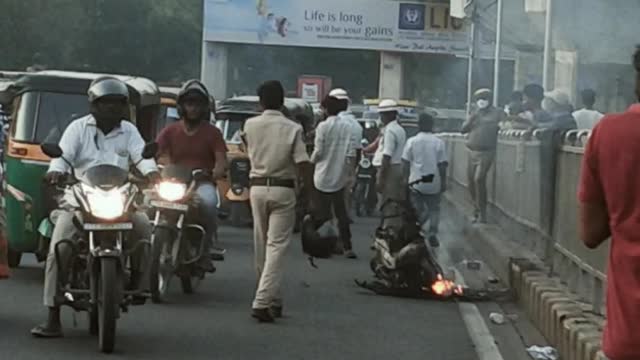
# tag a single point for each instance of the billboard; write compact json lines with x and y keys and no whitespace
{"x":381,"y":25}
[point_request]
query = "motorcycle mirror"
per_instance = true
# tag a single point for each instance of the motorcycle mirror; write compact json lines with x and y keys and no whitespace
{"x":53,"y":151}
{"x":150,"y":150}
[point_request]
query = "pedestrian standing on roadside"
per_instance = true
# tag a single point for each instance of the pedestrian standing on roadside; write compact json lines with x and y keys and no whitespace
{"x":587,"y":117}
{"x":357,"y":133}
{"x":425,"y":157}
{"x":333,"y":156}
{"x":609,"y":196}
{"x":277,"y":153}
{"x":389,"y":180}
{"x":533,"y":113}
{"x":482,"y":127}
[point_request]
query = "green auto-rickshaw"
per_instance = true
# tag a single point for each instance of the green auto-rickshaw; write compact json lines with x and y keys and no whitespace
{"x":42,"y":106}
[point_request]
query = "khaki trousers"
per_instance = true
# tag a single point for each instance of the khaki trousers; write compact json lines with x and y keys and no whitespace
{"x":480,"y":163}
{"x":273,"y":221}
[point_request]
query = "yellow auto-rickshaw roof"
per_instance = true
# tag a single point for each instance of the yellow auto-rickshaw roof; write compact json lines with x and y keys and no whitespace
{"x":145,"y":91}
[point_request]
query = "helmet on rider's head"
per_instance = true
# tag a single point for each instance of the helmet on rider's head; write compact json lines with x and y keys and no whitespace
{"x":192,"y":87}
{"x":107,"y":86}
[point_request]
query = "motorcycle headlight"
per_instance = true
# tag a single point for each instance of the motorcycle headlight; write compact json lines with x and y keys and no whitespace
{"x":365,"y":163}
{"x":106,"y":205}
{"x":171,"y":191}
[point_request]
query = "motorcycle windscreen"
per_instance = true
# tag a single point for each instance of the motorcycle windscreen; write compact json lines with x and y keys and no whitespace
{"x":106,"y":176}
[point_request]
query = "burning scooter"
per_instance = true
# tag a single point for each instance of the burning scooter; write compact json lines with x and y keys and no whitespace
{"x":404,"y":265}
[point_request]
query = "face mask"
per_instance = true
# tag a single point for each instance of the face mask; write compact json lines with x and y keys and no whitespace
{"x":483,"y":104}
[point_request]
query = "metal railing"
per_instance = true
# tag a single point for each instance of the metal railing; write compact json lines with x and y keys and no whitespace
{"x":532,"y":196}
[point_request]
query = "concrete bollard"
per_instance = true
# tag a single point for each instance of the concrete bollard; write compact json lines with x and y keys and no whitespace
{"x":590,"y":343}
{"x":525,"y":286}
{"x":545,"y":298}
{"x":570,"y":327}
{"x":536,"y":289}
{"x":560,"y":312}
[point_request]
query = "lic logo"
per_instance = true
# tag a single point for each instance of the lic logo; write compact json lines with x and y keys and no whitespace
{"x":412,"y":17}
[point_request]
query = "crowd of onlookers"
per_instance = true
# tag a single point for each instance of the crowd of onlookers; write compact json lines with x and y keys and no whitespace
{"x":533,"y":108}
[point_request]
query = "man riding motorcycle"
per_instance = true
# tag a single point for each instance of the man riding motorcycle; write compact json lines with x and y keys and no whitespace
{"x":101,"y":137}
{"x":195,"y":143}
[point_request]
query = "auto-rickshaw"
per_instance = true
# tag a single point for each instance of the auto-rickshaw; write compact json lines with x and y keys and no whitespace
{"x":168,"y":107}
{"x":42,"y":106}
{"x":230,"y":117}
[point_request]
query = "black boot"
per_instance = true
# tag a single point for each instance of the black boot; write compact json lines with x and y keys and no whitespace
{"x":262,"y":315}
{"x":50,"y":329}
{"x":141,"y":295}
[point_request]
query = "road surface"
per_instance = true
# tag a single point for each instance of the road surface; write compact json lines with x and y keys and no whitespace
{"x":326,"y":316}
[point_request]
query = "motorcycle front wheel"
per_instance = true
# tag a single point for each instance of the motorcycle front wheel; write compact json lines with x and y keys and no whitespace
{"x":161,"y":272}
{"x":107,"y":304}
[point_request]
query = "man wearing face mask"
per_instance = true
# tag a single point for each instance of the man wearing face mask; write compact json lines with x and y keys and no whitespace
{"x":197,"y":144}
{"x":96,"y":139}
{"x":482,"y":127}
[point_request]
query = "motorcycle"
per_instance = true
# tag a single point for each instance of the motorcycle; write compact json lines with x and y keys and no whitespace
{"x":402,"y":259}
{"x":238,"y":193}
{"x":96,"y":275}
{"x":365,"y":182}
{"x":178,"y":242}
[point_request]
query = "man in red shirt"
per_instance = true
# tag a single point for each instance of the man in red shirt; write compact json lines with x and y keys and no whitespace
{"x":609,"y":198}
{"x":195,"y":143}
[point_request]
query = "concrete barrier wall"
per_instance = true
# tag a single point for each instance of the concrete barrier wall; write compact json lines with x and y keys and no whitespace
{"x":532,"y":195}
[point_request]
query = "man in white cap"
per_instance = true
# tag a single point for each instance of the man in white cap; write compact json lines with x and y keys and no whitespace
{"x":390,"y":181}
{"x":482,"y":127}
{"x":356,"y":140}
{"x":558,"y":105}
{"x":333,"y":156}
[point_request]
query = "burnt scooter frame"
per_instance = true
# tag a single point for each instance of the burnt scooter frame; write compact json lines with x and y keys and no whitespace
{"x":419,"y":290}
{"x":402,"y":258}
{"x":98,"y":261}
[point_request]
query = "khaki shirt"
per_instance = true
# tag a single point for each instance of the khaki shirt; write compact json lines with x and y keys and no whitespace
{"x":274,"y":144}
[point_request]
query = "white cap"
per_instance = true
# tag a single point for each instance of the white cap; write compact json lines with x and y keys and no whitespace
{"x":387,"y":105}
{"x":340,"y":94}
{"x":481,"y":92}
{"x":558,"y":96}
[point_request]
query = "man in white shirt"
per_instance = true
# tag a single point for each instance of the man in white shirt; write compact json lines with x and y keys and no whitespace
{"x":390,"y":175}
{"x":96,"y":139}
{"x":425,"y":157}
{"x":333,"y":156}
{"x":587,"y":117}
{"x":357,"y":133}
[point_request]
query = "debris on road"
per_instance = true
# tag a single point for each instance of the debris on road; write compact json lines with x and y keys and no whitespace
{"x":497,"y":318}
{"x":543,"y":353}
{"x":473,"y":264}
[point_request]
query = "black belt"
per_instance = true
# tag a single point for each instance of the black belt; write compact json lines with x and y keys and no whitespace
{"x":275,"y":182}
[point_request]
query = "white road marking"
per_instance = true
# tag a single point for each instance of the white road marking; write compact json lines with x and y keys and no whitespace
{"x":483,"y":340}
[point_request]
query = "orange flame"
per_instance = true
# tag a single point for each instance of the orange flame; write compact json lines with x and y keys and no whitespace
{"x":445,"y":288}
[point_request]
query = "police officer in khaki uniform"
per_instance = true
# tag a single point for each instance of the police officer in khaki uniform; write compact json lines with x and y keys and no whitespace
{"x":277,"y":152}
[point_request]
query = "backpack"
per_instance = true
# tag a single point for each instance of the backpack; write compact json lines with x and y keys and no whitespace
{"x":318,"y":242}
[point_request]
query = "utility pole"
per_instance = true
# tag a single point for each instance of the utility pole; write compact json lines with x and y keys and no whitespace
{"x":472,"y":45}
{"x":546,"y":65}
{"x":496,"y":61}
